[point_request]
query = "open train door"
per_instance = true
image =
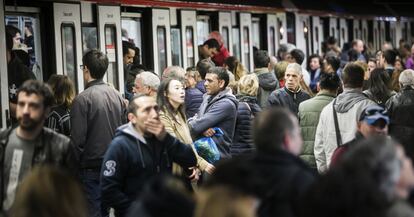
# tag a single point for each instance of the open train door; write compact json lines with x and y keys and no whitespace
{"x":68,"y":42}
{"x":271,"y":34}
{"x":189,"y":38}
{"x":162,"y":41}
{"x":246,"y":40}
{"x":317,"y":34}
{"x":225,"y":28}
{"x":4,"y":91}
{"x":109,"y":40}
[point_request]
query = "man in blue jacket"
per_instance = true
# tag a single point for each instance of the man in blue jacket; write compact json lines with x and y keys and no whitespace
{"x":140,"y":150}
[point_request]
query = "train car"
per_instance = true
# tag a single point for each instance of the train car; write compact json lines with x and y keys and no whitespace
{"x":169,"y":32}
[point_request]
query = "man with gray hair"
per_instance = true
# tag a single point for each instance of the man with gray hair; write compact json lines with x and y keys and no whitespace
{"x":173,"y":72}
{"x":401,"y":107}
{"x":146,"y":83}
{"x":291,"y":95}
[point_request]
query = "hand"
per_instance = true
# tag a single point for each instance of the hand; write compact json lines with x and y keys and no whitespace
{"x":195,"y":176}
{"x":155,"y":127}
{"x":209,"y":132}
{"x":210,"y":169}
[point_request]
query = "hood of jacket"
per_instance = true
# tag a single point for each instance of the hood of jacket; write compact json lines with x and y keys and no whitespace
{"x":246,"y":98}
{"x":226,"y":93}
{"x":347,"y":100}
{"x":267,"y":80}
{"x":128,"y":129}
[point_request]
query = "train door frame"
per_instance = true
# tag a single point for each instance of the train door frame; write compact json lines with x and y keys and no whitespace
{"x":4,"y":91}
{"x":317,"y":35}
{"x":376,"y":35}
{"x":365,"y":32}
{"x":225,"y":22}
{"x":382,"y":32}
{"x":343,"y":31}
{"x":272,"y":34}
{"x":246,"y":24}
{"x":303,"y":31}
{"x":109,"y":17}
{"x":161,"y":18}
{"x":189,"y":19}
{"x":395,"y":32}
{"x":281,"y":28}
{"x":257,"y":33}
{"x":333,"y":27}
{"x":356,"y":29}
{"x":135,"y":17}
{"x":68,"y":15}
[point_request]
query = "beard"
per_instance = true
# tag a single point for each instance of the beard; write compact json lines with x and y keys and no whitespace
{"x":28,"y":124}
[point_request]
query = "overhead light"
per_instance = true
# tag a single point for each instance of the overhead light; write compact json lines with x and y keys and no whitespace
{"x":281,"y":30}
{"x":305,"y":29}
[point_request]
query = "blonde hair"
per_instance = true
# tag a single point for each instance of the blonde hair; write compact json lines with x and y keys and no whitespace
{"x":364,"y":66}
{"x":280,"y":69}
{"x":63,"y":89}
{"x":248,"y":85}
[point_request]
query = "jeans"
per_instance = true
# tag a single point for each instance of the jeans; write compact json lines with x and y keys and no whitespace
{"x":91,"y":186}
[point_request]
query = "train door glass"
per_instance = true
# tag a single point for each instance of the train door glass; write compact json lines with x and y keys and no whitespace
{"x":90,"y":39}
{"x":162,"y":48}
{"x":131,"y":31}
{"x":256,"y":32}
{"x":176,"y":47}
{"x":69,"y":51}
{"x":111,"y":51}
{"x":225,"y":35}
{"x":203,"y":29}
{"x":236,"y":43}
{"x":189,"y":36}
{"x":281,"y":30}
{"x":28,"y":26}
{"x":272,"y":41}
{"x":4,"y":87}
{"x":246,"y":46}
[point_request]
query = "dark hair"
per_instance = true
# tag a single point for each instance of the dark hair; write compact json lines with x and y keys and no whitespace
{"x":310,"y":59}
{"x":281,"y":50}
{"x":331,"y":40}
{"x":212,"y":43}
{"x":231,"y":62}
{"x":11,"y":32}
{"x":163,"y":101}
{"x":126,"y":45}
{"x":63,"y":89}
{"x":298,"y":55}
{"x":221,"y":73}
{"x":390,"y":56}
{"x":137,"y":56}
{"x":97,"y":63}
{"x":39,"y":88}
{"x":329,"y":81}
{"x":261,"y":59}
{"x":203,"y":66}
{"x":353,"y":55}
{"x":353,"y":75}
{"x":132,"y":106}
{"x":269,"y":129}
{"x":379,"y":84}
{"x":334,"y":62}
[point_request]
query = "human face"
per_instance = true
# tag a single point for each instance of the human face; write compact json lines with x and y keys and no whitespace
{"x":371,"y":66}
{"x":406,"y":180}
{"x":380,"y":127}
{"x":190,"y":81}
{"x":16,"y":40}
{"x":175,"y":93}
{"x":314,"y":64}
{"x":147,"y":109}
{"x":140,"y":88}
{"x":398,"y":65}
{"x":213,"y":84}
{"x":30,"y":111}
{"x":294,"y":139}
{"x":129,"y":57}
{"x":359,"y":47}
{"x":211,"y":52}
{"x":292,"y":79}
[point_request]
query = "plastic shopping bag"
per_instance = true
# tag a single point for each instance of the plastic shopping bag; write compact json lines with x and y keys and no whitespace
{"x":207,"y":148}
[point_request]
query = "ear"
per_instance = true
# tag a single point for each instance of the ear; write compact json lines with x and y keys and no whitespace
{"x":286,"y":141}
{"x":131,"y":117}
{"x":221,"y":83}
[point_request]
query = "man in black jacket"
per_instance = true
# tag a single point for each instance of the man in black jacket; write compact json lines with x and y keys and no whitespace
{"x":95,"y":115}
{"x":140,"y":150}
{"x":30,"y":143}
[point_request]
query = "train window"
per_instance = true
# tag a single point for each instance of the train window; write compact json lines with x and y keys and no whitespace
{"x":189,"y":38}
{"x":246,"y":46}
{"x":131,"y":31}
{"x":162,"y":48}
{"x":272,"y":39}
{"x":225,"y":35}
{"x":203,"y":29}
{"x":90,"y":39}
{"x":256,"y":32}
{"x":69,"y":51}
{"x":236,"y":43}
{"x":111,"y":51}
{"x":176,"y":47}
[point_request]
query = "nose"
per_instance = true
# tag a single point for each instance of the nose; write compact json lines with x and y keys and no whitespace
{"x":26,"y":109}
{"x":154,"y":113}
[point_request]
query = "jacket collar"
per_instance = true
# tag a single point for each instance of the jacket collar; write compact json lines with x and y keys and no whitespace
{"x":260,"y":71}
{"x":326,"y":93}
{"x":94,"y":82}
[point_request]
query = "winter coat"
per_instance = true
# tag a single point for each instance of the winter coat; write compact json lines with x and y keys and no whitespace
{"x":247,"y":110}
{"x":309,"y":111}
{"x":349,"y":106}
{"x":216,"y":111}
{"x":314,"y":82}
{"x":130,"y":162}
{"x":267,"y":83}
{"x":193,"y":100}
{"x":400,"y":108}
{"x":285,"y":98}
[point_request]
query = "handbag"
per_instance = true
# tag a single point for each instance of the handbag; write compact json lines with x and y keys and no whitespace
{"x":207,"y":148}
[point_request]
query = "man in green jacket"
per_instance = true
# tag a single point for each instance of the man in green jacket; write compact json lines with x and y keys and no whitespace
{"x":309,"y":112}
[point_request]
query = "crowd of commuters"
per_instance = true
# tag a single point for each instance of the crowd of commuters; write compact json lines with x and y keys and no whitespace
{"x":332,"y":138}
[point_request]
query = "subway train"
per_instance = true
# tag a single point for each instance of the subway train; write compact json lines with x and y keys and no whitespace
{"x":168,"y":32}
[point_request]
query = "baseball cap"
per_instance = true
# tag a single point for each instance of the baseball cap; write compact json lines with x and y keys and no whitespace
{"x":373,"y":113}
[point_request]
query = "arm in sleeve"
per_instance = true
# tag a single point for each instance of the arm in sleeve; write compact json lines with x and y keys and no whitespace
{"x":181,"y":153}
{"x":318,"y":149}
{"x":273,"y":100}
{"x":79,"y":124}
{"x":112,"y":178}
{"x":71,"y":159}
{"x":217,"y":113}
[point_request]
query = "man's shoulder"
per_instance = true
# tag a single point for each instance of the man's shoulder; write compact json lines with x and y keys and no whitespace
{"x":55,"y":137}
